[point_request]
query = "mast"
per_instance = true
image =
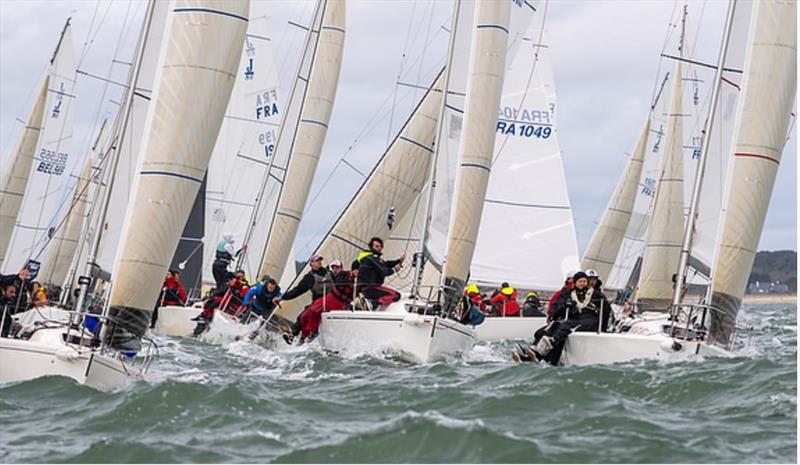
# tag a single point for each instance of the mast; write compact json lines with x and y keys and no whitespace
{"x":308,"y":139}
{"x":487,"y":68}
{"x":419,"y":257}
{"x":688,"y":231}
{"x":116,"y":144}
{"x":60,"y":39}
{"x":769,"y":89}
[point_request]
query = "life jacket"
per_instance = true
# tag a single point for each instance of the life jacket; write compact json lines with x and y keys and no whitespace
{"x":342,"y":287}
{"x":223,"y":255}
{"x":322,"y":284}
{"x":264,"y":298}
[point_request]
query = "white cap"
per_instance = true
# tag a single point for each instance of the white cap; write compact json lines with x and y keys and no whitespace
{"x":336,"y":263}
{"x":591,"y":273}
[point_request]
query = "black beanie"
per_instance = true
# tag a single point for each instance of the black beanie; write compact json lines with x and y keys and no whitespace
{"x":578,"y":276}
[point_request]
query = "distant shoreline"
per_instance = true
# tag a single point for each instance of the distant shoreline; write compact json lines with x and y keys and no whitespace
{"x":769,"y":299}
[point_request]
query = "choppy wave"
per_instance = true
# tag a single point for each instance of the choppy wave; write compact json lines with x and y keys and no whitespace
{"x":248,"y":403}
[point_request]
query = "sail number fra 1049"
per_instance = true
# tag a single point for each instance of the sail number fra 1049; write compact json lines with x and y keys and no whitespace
{"x":524,"y":123}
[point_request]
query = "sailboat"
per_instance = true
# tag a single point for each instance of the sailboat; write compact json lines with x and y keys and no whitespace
{"x":768,"y":90}
{"x":292,"y":155}
{"x":195,"y":64}
{"x":242,"y":159}
{"x":419,"y":329}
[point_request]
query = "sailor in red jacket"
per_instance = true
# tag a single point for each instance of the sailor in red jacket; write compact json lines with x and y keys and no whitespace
{"x":172,"y":291}
{"x":505,"y":302}
{"x":340,"y":294}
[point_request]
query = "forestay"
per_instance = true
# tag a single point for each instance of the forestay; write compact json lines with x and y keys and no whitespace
{"x":46,"y":191}
{"x":244,"y":154}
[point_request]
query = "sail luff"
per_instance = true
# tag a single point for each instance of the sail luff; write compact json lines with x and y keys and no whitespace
{"x":663,"y":240}
{"x":198,"y":64}
{"x":308,"y":139}
{"x":605,"y":243}
{"x":769,"y":89}
{"x":16,"y":175}
{"x":484,"y":90}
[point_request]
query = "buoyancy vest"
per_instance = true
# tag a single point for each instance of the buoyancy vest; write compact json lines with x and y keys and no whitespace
{"x":223,"y":255}
{"x":322,"y":284}
{"x":264,"y":298}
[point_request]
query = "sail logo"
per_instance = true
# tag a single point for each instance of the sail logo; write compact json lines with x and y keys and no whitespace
{"x":249,"y":48}
{"x":659,"y":134}
{"x":267,"y":140}
{"x":60,"y":99}
{"x":51,"y":162}
{"x":524,"y":123}
{"x":248,"y":71}
{"x":697,"y":143}
{"x":267,"y":104}
{"x":649,"y":187}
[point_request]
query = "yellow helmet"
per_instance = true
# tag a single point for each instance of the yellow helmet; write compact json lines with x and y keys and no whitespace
{"x":473,"y":289}
{"x":507,"y":290}
{"x":533,"y":294}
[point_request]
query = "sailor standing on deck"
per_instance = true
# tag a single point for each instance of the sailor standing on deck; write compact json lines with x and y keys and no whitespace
{"x":223,"y":257}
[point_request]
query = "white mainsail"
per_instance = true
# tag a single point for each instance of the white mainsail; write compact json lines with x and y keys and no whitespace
{"x":16,"y":174}
{"x":46,"y":191}
{"x":198,"y":64}
{"x":663,"y":242}
{"x":769,"y":89}
{"x":484,"y":90}
{"x":127,"y":152}
{"x":244,"y":153}
{"x":605,"y":244}
{"x":306,"y":141}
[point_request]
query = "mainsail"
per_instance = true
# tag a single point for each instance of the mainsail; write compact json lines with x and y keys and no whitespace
{"x":244,"y":155}
{"x":198,"y":64}
{"x":662,"y":246}
{"x":768,"y":92}
{"x":306,"y":141}
{"x":484,"y":89}
{"x":46,"y":190}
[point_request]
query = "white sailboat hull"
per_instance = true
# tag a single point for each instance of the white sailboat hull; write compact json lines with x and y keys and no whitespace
{"x":645,"y":340}
{"x":42,"y":314}
{"x":495,"y":329}
{"x":175,"y":321}
{"x":45,"y":354}
{"x":413,"y":337}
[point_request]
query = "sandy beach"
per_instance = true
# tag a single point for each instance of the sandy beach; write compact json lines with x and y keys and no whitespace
{"x":770,"y":299}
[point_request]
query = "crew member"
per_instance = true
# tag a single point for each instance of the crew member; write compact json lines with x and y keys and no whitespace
{"x":372,"y":271}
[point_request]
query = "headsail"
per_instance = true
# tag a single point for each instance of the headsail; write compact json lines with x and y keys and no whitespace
{"x":607,"y":239}
{"x":198,"y":63}
{"x":46,"y":194}
{"x":768,"y":92}
{"x":305,"y":143}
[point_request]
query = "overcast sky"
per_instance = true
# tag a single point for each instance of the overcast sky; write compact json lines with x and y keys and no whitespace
{"x":605,"y":58}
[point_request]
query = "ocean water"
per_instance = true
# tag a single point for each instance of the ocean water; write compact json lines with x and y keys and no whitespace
{"x":247,"y":403}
